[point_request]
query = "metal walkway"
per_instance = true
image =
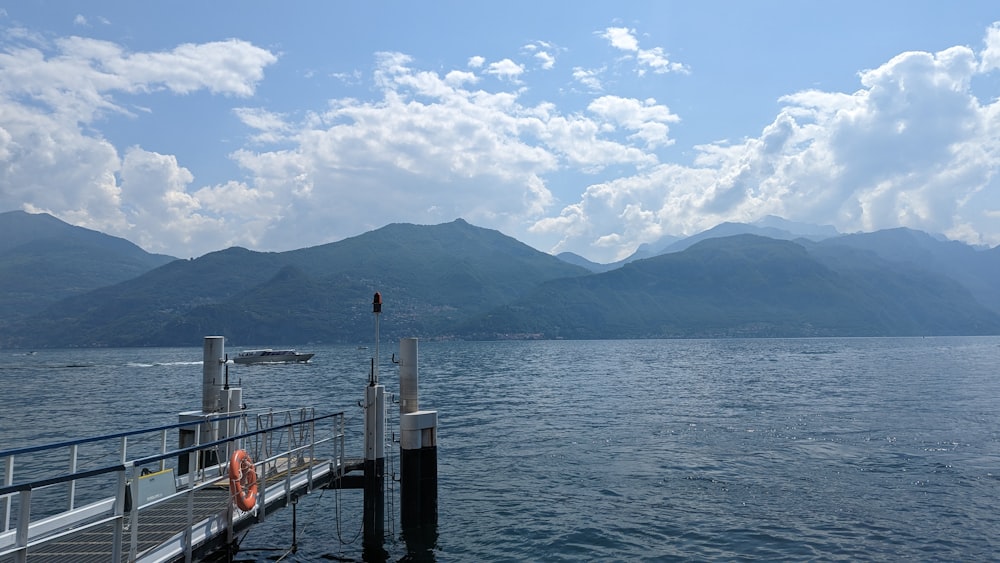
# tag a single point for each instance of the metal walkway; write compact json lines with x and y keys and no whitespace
{"x":140,"y":509}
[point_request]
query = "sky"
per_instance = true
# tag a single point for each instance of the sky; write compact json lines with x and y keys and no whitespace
{"x":190,"y":127}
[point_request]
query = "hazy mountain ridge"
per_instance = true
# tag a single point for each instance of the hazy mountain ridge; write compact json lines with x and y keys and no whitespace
{"x":770,"y":226}
{"x":455,"y":280}
{"x":433,"y":276}
{"x":746,"y":285}
{"x":44,"y":260}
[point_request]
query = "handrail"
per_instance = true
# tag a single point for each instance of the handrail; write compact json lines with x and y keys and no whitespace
{"x":55,"y":445}
{"x":27,"y":485}
{"x":39,"y":483}
{"x":299,"y":431}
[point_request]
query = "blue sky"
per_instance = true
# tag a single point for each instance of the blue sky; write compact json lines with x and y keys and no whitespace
{"x":572,"y":126}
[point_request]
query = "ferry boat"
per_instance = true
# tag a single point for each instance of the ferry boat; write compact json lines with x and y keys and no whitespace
{"x":269,"y":356}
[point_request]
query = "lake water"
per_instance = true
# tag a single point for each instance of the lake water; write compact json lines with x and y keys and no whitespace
{"x":655,"y":450}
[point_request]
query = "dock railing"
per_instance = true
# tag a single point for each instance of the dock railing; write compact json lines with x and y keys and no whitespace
{"x":104,"y":485}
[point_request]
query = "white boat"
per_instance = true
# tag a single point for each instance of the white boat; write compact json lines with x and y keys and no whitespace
{"x":269,"y":356}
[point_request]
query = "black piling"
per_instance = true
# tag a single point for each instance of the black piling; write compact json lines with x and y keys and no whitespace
{"x":417,"y":460}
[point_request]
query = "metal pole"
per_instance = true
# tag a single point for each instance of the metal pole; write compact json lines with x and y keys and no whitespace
{"x":373,"y":512}
{"x":8,"y":480}
{"x":295,"y":541}
{"x":377,"y":310}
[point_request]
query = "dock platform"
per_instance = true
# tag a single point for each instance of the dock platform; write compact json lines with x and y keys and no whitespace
{"x":186,"y":519}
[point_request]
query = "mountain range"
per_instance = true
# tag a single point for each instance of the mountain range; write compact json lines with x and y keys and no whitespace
{"x":63,"y":286}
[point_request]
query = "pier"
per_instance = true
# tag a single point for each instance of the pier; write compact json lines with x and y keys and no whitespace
{"x":157,"y":515}
{"x":184,"y":491}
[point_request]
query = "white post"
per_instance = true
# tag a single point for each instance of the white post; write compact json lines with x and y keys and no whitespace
{"x":211,"y":381}
{"x":408,"y":377}
{"x":374,"y":422}
{"x":417,"y":456}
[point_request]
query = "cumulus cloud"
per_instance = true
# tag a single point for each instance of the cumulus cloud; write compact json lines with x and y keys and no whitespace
{"x":648,"y":119}
{"x":445,"y":151}
{"x":913,"y":146}
{"x":78,"y":76}
{"x":990,"y":56}
{"x":506,"y":69}
{"x":51,"y":97}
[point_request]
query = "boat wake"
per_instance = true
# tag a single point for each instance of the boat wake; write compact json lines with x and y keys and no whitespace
{"x":158,"y":364}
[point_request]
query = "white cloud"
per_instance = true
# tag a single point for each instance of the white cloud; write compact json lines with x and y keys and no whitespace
{"x":590,"y":78}
{"x":912,"y":147}
{"x":621,"y":38}
{"x":990,"y":56}
{"x":506,"y":69}
{"x":658,"y":62}
{"x":430,"y":150}
{"x":80,"y":77}
{"x":546,"y":60}
{"x":272,"y":126}
{"x":223,"y":67}
{"x":458,"y":78}
{"x":648,"y":119}
{"x":51,"y":97}
{"x":654,"y":59}
{"x":543,"y":52}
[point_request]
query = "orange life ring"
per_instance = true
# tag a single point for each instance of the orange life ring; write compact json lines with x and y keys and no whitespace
{"x":243,"y":480}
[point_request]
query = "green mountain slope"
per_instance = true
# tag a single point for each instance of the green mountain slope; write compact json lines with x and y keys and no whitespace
{"x":432,"y":277}
{"x":744,"y":285}
{"x":456,"y":280}
{"x":976,"y":270}
{"x":44,"y":260}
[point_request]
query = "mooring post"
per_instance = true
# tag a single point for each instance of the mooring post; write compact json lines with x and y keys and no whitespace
{"x":213,"y":362}
{"x":374,"y":491}
{"x":211,"y":373}
{"x":417,"y":457}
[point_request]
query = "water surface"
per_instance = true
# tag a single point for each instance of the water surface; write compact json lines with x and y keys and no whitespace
{"x":798,"y":449}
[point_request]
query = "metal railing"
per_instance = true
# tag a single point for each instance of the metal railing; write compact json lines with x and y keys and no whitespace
{"x":76,"y":485}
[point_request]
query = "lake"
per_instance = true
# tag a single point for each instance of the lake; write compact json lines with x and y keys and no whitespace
{"x":639,"y":450}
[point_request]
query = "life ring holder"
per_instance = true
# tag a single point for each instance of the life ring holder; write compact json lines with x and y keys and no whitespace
{"x":243,"y":480}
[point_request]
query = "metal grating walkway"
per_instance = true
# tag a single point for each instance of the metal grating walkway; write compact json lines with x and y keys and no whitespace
{"x":163,"y":526}
{"x":187,"y":517}
{"x":158,"y":524}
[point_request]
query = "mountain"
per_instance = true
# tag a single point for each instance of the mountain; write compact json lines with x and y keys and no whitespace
{"x":648,"y":250}
{"x":976,"y":270}
{"x":43,"y":260}
{"x":459,"y":281}
{"x":785,"y":231}
{"x":796,"y":228}
{"x":745,"y":286}
{"x":577,"y":260}
{"x":431,"y":277}
{"x":770,"y":226}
